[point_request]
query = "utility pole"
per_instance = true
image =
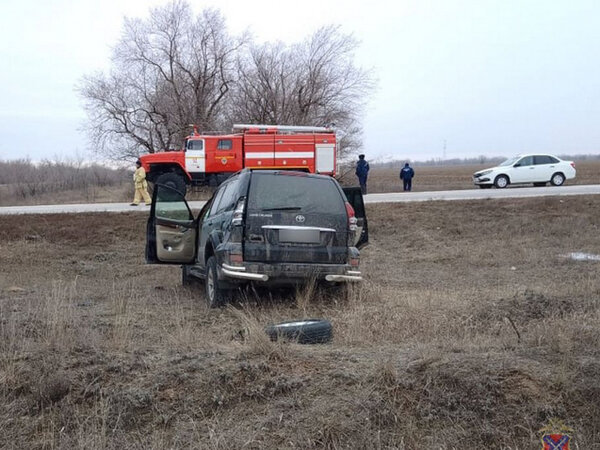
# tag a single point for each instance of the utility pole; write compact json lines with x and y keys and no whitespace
{"x":444,"y":150}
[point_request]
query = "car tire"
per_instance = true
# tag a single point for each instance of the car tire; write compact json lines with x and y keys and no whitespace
{"x":557,"y":179}
{"x":539,"y":184}
{"x":173,"y":181}
{"x":215,"y":295}
{"x":501,"y":181}
{"x":303,"y":331}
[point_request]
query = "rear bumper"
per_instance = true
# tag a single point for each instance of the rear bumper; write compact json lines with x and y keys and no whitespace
{"x":290,"y":273}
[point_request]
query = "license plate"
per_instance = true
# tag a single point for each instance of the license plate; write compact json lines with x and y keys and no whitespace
{"x":300,"y":236}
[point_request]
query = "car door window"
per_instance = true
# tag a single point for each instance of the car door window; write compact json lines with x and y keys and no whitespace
{"x":227,"y":201}
{"x":225,"y":144}
{"x":215,"y":204}
{"x":542,"y":159}
{"x":196,"y":144}
{"x":525,"y":161}
{"x":169,"y":204}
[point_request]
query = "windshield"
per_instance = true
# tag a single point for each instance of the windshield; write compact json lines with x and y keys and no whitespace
{"x":509,"y":162}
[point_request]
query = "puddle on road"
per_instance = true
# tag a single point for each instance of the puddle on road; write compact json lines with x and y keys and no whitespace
{"x":581,"y":256}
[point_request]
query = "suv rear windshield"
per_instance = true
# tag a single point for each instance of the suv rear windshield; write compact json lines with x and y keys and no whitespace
{"x":294,"y":192}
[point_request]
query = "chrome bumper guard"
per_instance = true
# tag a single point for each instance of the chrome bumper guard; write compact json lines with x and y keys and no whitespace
{"x":239,"y":272}
{"x":352,"y":276}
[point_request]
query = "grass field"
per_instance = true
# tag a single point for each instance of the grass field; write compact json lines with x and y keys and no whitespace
{"x":471,"y":330}
{"x":428,"y":178}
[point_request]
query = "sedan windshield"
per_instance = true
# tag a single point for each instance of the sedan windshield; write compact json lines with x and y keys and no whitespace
{"x":509,"y":162}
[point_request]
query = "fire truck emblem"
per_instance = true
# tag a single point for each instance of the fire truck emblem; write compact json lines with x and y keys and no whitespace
{"x":224,"y":161}
{"x":556,"y":435}
{"x":300,"y":218}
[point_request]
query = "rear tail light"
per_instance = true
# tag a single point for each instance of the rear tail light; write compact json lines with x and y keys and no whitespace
{"x":573,"y":165}
{"x":351,"y":217}
{"x":354,"y":262}
{"x":235,"y":258}
{"x":238,"y":212}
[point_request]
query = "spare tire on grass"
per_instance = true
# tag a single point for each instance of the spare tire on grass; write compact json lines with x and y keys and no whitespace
{"x":303,"y":331}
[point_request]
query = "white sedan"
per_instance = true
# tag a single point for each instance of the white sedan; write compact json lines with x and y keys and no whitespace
{"x":536,"y":169}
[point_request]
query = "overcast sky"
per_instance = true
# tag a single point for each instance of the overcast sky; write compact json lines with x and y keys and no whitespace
{"x":488,"y":77}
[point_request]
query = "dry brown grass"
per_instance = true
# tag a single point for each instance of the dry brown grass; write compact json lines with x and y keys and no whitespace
{"x":52,"y":182}
{"x":470,"y":331}
{"x":428,"y":178}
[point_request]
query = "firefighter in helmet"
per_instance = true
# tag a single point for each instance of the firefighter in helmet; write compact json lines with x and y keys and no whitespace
{"x":141,"y":185}
{"x":362,"y":172}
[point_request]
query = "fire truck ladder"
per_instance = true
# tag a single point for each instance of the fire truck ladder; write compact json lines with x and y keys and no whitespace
{"x":283,"y":128}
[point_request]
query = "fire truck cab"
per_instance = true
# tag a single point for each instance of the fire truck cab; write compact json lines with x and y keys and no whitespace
{"x":209,"y":159}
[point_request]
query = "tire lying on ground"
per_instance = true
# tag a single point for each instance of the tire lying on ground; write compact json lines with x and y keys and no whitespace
{"x":303,"y":331}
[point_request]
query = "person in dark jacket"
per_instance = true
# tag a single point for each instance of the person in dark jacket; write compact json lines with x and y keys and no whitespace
{"x":362,"y":172}
{"x":406,"y":175}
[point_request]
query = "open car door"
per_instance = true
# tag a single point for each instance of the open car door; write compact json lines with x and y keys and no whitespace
{"x":355,"y":198}
{"x":171,"y":229}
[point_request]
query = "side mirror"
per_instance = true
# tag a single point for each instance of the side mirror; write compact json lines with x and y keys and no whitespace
{"x":517,"y":165}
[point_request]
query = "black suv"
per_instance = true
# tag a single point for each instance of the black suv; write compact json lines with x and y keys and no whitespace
{"x":268,"y":227}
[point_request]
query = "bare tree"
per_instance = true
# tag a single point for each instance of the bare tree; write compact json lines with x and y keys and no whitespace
{"x":312,"y":83}
{"x":174,"y":69}
{"x":168,"y":71}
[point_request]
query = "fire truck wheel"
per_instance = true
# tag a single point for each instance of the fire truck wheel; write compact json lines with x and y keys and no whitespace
{"x":303,"y":331}
{"x":172,"y":180}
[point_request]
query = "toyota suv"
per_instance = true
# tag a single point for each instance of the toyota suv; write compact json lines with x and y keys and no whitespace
{"x":267,"y":227}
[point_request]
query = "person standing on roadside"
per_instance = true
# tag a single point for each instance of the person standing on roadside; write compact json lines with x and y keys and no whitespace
{"x":141,"y":185}
{"x":362,"y":172}
{"x":406,"y":175}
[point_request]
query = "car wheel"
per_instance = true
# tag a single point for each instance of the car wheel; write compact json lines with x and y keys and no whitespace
{"x":216,"y":296}
{"x":501,"y":181}
{"x":539,"y":184}
{"x":557,"y":179}
{"x":173,"y":181}
{"x":304,"y":331}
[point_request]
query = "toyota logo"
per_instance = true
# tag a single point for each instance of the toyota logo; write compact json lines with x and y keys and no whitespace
{"x":300,"y":218}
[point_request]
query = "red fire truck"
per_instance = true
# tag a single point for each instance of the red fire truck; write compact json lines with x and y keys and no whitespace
{"x":208,"y":159}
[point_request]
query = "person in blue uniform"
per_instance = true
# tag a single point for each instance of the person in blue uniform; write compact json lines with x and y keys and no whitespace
{"x":406,"y":175}
{"x":362,"y":172}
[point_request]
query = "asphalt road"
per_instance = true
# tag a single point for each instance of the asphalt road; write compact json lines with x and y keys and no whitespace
{"x":392,"y":197}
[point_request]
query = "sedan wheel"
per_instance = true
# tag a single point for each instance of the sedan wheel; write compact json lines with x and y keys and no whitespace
{"x":501,"y":181}
{"x":557,"y":179}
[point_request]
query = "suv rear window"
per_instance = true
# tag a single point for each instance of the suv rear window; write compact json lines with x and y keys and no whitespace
{"x":301,"y":193}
